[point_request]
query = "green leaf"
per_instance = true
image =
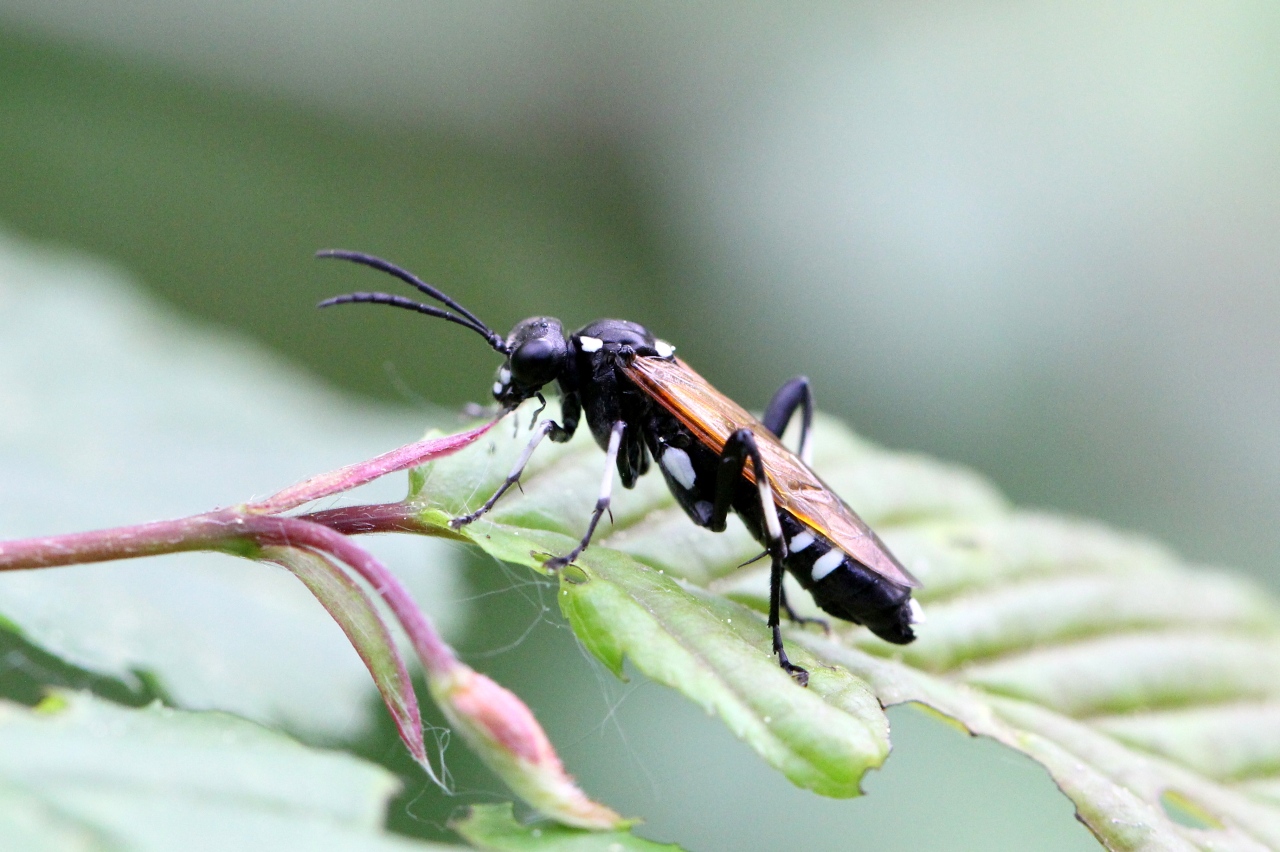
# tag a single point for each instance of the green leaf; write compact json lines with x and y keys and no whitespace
{"x":81,"y":773}
{"x":112,"y":412}
{"x":1148,"y":690}
{"x":494,"y":827}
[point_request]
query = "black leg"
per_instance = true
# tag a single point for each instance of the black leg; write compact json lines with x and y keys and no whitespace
{"x":775,"y":597}
{"x":602,"y":502}
{"x":546,"y":427}
{"x":570,"y":412}
{"x":740,"y":447}
{"x":796,"y":618}
{"x":796,"y":393}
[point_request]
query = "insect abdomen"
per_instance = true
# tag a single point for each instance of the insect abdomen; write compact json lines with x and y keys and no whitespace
{"x":845,"y":588}
{"x":839,"y":584}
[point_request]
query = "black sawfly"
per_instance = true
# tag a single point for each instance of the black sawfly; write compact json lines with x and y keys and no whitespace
{"x":641,"y":403}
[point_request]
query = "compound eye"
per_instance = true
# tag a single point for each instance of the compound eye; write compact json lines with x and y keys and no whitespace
{"x":536,"y":362}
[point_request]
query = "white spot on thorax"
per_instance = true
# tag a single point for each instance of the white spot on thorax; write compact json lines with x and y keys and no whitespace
{"x":800,"y":542}
{"x":590,"y":344}
{"x":827,"y":562}
{"x":664,"y":349}
{"x":676,"y":462}
{"x":504,"y":375}
{"x":497,"y":388}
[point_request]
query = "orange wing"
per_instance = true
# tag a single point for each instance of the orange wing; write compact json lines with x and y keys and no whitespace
{"x":712,"y":418}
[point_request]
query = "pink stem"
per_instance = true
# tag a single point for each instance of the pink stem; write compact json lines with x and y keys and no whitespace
{"x":373,"y":518}
{"x":230,"y":531}
{"x":355,"y":475}
{"x":397,"y":693}
{"x":224,"y":529}
{"x":437,"y":657}
{"x":220,"y":530}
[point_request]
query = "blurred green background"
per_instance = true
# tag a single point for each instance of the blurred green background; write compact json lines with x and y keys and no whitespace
{"x":1040,"y":239}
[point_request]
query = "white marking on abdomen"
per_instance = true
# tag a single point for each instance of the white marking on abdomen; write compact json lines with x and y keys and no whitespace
{"x":590,"y":344}
{"x":917,"y":612}
{"x":827,"y":562}
{"x":676,"y":462}
{"x":800,"y":542}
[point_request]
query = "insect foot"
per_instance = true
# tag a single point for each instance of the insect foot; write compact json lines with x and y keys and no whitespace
{"x":799,"y":675}
{"x":555,"y":563}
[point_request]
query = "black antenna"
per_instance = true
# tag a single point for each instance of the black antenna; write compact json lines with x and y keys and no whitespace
{"x":467,"y":319}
